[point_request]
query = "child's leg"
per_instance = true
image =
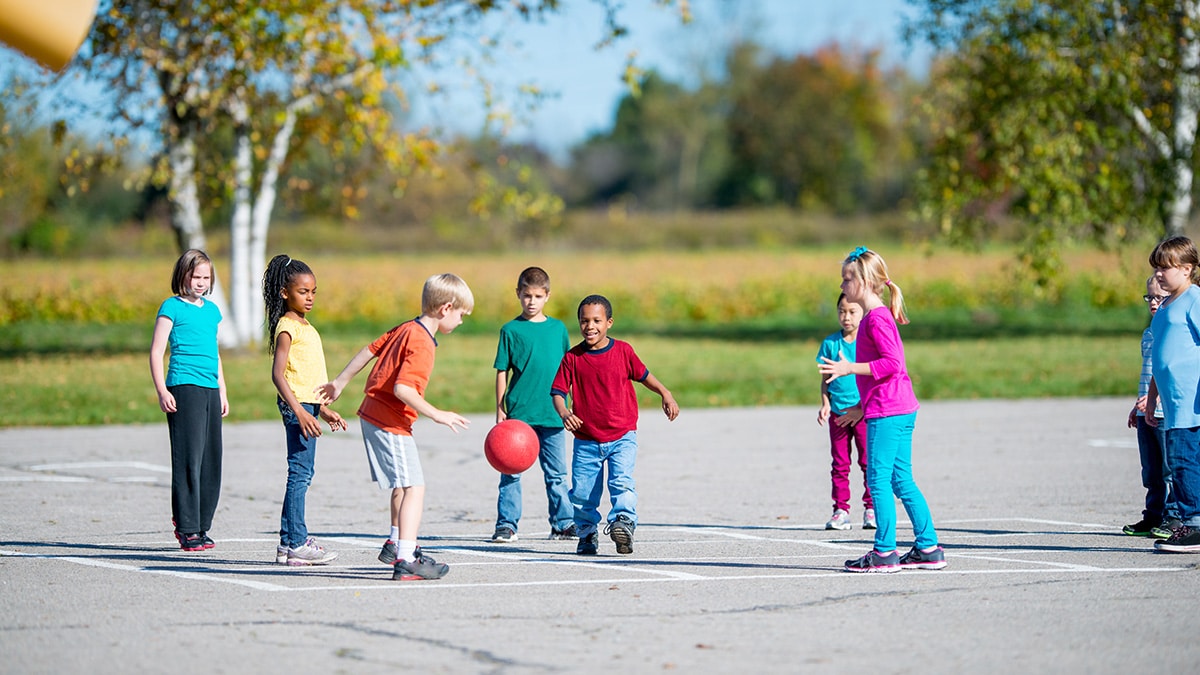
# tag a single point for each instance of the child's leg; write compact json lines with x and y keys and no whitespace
{"x":882,"y":441}
{"x":552,"y":456}
{"x":1183,"y":454}
{"x":1170,"y":504}
{"x":622,"y":455}
{"x":905,"y":488}
{"x":586,"y":488}
{"x":859,"y":433}
{"x":301,"y":457}
{"x":839,"y":474}
{"x":210,"y":464}
{"x":188,"y":427}
{"x":1153,"y":461}
{"x":408,"y":509}
{"x":508,"y":502}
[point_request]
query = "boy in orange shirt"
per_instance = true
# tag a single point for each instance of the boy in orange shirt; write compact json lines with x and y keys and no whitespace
{"x":395,"y":395}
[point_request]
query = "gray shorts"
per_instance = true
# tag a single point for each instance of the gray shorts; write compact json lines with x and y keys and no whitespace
{"x":393,"y":458}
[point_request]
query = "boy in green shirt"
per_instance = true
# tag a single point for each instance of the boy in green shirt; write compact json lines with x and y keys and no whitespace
{"x":531,"y":347}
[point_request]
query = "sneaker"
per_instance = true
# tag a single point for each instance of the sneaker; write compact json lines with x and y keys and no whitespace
{"x":190,"y":542}
{"x":1164,"y":530}
{"x":1184,"y":539}
{"x":589,"y":545}
{"x":207,"y":541}
{"x":869,"y":519}
{"x":504,"y":535}
{"x":921,"y":560}
{"x":389,"y":552}
{"x":839,"y":521}
{"x":423,"y":567}
{"x":874,"y":561}
{"x":309,"y":553}
{"x":281,"y":554}
{"x":1143,"y":527}
{"x":620,"y":531}
{"x":568,"y":532}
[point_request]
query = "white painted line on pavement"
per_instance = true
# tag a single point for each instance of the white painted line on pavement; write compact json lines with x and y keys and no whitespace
{"x":145,"y":466}
{"x":45,"y":479}
{"x":182,"y":574}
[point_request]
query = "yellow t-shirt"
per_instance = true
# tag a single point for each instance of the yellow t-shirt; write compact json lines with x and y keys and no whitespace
{"x":306,"y":359}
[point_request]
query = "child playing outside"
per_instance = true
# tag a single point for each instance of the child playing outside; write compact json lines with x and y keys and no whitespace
{"x":531,"y":347}
{"x":597,"y":374}
{"x":839,"y":405}
{"x":192,"y":395}
{"x":1161,"y":513}
{"x":395,"y":395}
{"x":1175,"y":359}
{"x":289,"y":288}
{"x":890,"y":408}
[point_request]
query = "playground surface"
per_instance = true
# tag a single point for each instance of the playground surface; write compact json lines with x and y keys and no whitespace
{"x":732,"y":569}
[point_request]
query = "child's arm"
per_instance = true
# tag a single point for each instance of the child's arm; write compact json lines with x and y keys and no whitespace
{"x":221,"y":387}
{"x":835,"y":369}
{"x":413,"y":399}
{"x":570,"y":420}
{"x":826,"y":406}
{"x":330,"y":391}
{"x":501,"y":387}
{"x":1152,"y":403}
{"x":668,"y":402}
{"x":309,"y":427}
{"x":1138,"y":406}
{"x":333,"y":419}
{"x":158,"y":350}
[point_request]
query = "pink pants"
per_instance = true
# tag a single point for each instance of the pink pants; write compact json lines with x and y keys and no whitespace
{"x":839,"y":446}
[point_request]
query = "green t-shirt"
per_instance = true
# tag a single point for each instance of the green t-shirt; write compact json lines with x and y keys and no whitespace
{"x":530,"y":352}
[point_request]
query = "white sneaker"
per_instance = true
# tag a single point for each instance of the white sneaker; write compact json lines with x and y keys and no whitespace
{"x":839,"y":521}
{"x":281,"y":554}
{"x":309,"y":554}
{"x":869,"y":519}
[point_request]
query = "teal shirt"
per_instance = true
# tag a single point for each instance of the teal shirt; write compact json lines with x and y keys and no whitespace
{"x":530,"y":352}
{"x":843,"y":391}
{"x":193,"y":342}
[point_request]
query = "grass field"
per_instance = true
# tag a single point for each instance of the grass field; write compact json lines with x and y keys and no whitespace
{"x":720,"y":328}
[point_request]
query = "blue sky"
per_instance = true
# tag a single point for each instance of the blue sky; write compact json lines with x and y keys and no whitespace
{"x":559,"y":55}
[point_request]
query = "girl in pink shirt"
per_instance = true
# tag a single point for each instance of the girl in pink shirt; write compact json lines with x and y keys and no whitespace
{"x":889,"y":407}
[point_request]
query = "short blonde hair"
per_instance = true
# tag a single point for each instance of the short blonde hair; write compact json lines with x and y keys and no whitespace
{"x":442,"y":288}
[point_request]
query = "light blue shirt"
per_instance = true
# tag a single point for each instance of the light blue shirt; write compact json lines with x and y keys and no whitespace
{"x":843,"y":391}
{"x":193,"y":342}
{"x":1175,"y":357}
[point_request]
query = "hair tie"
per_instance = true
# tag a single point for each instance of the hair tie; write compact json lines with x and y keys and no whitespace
{"x":887,"y":282}
{"x":289,"y":262}
{"x":856,"y":253}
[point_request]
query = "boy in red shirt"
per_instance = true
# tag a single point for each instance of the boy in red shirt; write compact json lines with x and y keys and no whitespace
{"x":598,"y":374}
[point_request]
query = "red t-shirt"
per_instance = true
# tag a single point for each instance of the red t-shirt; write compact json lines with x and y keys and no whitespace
{"x":405,"y":356}
{"x":600,"y":384}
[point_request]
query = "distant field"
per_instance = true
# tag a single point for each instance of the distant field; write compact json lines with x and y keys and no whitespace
{"x":720,"y":328}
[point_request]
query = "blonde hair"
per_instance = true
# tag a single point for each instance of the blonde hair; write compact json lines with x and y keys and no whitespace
{"x":1177,"y":251}
{"x":869,"y":267}
{"x":442,"y":288}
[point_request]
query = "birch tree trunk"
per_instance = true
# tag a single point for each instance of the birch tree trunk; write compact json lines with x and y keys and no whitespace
{"x":1184,"y":127}
{"x":241,"y":295}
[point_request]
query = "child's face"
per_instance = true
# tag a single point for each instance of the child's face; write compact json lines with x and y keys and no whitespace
{"x":533,"y":301}
{"x":594,"y":325}
{"x":1155,"y":296}
{"x":849,"y":315}
{"x":1173,"y":280}
{"x":852,"y":287}
{"x":199,"y":282}
{"x":451,"y":318}
{"x":300,"y":293}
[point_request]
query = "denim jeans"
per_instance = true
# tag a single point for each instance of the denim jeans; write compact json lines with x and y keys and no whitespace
{"x":301,"y":459}
{"x":1156,"y":472}
{"x":587,"y":484}
{"x":889,"y":472}
{"x":1183,"y":455}
{"x":552,"y":456}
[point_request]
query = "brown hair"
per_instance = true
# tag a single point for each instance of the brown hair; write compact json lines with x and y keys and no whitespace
{"x":185,"y":266}
{"x":1177,"y":251}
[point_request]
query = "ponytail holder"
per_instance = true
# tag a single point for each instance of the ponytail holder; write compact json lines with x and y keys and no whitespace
{"x":856,"y":254}
{"x":887,"y":282}
{"x":289,"y":262}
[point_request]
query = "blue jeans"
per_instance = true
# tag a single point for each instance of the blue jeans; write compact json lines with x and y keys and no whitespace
{"x":1183,"y":455}
{"x":1156,"y":472}
{"x":587,"y":484}
{"x":301,"y":459}
{"x":552,"y":456}
{"x":889,"y":473}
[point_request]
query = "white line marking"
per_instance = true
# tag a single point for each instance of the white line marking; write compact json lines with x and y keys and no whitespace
{"x":198,"y":576}
{"x":45,"y":479}
{"x":145,"y":466}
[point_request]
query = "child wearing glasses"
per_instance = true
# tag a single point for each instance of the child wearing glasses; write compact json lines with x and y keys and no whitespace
{"x":1161,"y":512}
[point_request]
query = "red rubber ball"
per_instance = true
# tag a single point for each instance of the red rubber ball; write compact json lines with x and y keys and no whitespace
{"x":511,"y":447}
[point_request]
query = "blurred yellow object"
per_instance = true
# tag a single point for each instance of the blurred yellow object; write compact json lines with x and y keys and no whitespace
{"x":47,"y":31}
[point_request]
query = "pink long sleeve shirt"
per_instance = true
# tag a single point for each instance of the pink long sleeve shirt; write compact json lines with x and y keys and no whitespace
{"x":887,"y":391}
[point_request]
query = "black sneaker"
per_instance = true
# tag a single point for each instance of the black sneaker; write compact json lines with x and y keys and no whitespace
{"x":918,"y":559}
{"x":207,"y":541}
{"x":504,"y":535}
{"x":1142,"y":528}
{"x":568,"y":532}
{"x":874,"y":561}
{"x":589,"y":545}
{"x":191,"y":542}
{"x":387,"y":554}
{"x":620,"y":531}
{"x":422,"y":568}
{"x":1164,"y":531}
{"x":1184,"y":539}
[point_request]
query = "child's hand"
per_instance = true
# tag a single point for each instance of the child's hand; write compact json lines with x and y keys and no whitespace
{"x":333,"y":419}
{"x":670,"y":407}
{"x":166,"y":402}
{"x":329,"y":392}
{"x":833,"y":369}
{"x":451,"y":419}
{"x":851,"y":417}
{"x":823,"y":413}
{"x":571,"y":421}
{"x":309,"y":427}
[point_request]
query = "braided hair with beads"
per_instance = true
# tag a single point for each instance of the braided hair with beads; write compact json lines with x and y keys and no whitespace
{"x":280,"y":272}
